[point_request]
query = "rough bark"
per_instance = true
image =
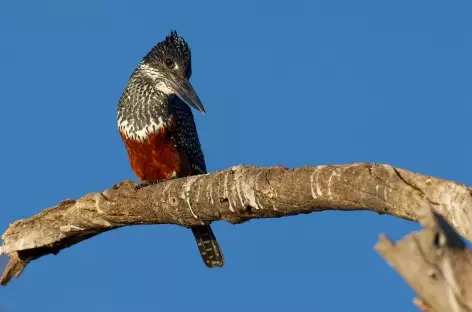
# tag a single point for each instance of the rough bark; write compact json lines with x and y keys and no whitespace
{"x":436,"y":263}
{"x":235,"y":195}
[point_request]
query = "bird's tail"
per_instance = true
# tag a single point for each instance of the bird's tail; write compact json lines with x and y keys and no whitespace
{"x":208,"y":246}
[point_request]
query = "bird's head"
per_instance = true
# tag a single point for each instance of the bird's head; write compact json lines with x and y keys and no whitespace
{"x":169,"y":66}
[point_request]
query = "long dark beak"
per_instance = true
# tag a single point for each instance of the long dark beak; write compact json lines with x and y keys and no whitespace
{"x":186,"y":92}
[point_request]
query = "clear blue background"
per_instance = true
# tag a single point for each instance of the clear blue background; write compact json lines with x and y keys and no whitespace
{"x":292,"y":83}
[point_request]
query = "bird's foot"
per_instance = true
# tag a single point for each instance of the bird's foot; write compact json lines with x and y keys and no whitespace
{"x":146,"y":183}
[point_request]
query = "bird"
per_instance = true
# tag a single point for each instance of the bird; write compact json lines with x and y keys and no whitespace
{"x":156,"y":124}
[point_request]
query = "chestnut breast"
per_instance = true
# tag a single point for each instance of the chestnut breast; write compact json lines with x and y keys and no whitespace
{"x":157,"y":157}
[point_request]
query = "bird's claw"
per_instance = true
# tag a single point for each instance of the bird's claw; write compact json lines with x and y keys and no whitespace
{"x":146,"y":183}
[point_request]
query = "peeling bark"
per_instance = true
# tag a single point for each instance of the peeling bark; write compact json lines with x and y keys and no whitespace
{"x":235,"y":195}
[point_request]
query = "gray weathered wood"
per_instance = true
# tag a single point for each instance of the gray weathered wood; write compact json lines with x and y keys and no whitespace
{"x":435,"y":262}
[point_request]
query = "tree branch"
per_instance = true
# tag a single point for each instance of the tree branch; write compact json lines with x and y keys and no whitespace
{"x":235,"y":195}
{"x":436,"y":263}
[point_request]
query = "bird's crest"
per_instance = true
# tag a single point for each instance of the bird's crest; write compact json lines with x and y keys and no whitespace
{"x":173,"y":47}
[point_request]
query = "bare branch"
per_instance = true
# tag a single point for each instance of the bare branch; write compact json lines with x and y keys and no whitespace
{"x":235,"y":195}
{"x":436,"y":263}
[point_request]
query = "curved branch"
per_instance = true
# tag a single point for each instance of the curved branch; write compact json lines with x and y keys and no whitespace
{"x":235,"y":195}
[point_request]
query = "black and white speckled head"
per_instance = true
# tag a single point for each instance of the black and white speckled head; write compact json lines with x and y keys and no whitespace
{"x":170,"y":55}
{"x":163,"y":73}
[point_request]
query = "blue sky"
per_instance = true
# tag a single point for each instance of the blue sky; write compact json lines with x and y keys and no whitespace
{"x":292,"y":83}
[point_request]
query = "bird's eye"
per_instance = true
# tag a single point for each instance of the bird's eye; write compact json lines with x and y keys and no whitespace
{"x":169,"y":63}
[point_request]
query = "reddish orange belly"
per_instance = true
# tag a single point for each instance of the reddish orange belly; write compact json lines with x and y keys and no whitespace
{"x":156,"y":158}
